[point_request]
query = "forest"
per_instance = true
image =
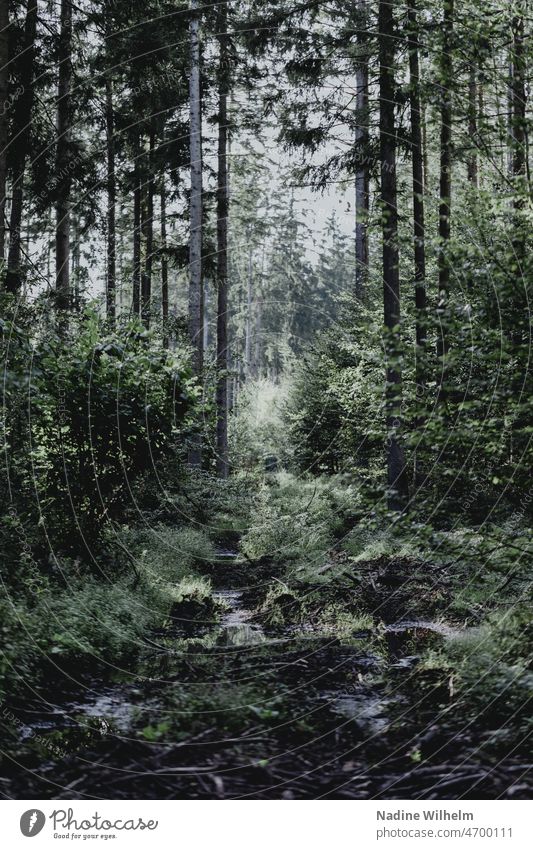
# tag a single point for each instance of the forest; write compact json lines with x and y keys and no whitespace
{"x":265,"y":310}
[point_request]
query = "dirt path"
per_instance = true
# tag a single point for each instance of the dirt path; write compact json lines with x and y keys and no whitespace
{"x":232,"y":708}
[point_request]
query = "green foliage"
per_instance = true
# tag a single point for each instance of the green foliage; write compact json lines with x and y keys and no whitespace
{"x":296,"y":521}
{"x":89,"y":415}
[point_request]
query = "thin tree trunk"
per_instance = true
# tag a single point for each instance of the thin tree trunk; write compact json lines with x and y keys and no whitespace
{"x":518,"y":113}
{"x":20,"y":144}
{"x":4,"y":119}
{"x":222,"y":251}
{"x":445,"y":171}
{"x":472,"y":165}
{"x":248,"y":322}
{"x":518,"y":137}
{"x":148,"y":232}
{"x":362,"y":179}
{"x":417,"y":155}
{"x":63,"y":172}
{"x":164,"y":263}
{"x":196,"y":201}
{"x":396,"y":476}
{"x":137,"y":190}
{"x":111,"y":204}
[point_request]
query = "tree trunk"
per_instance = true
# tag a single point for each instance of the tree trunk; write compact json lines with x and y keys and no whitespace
{"x":4,"y":119}
{"x":472,"y":165}
{"x":137,"y":190}
{"x":164,"y":263}
{"x":196,"y":200}
{"x":63,"y":172}
{"x":249,"y":307}
{"x":111,"y":203}
{"x":148,"y":232}
{"x":417,"y":155}
{"x":518,"y":110}
{"x":518,"y":137}
{"x":396,"y":476}
{"x":445,"y":190}
{"x":222,"y":251}
{"x":20,"y":144}
{"x":362,"y":178}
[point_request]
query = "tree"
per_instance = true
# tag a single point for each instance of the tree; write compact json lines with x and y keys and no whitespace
{"x":4,"y":81}
{"x":396,"y":475}
{"x":63,"y":172}
{"x":196,"y":204}
{"x":19,"y":145}
{"x":362,"y":174}
{"x":417,"y":158}
{"x":445,"y":180}
{"x":222,"y":248}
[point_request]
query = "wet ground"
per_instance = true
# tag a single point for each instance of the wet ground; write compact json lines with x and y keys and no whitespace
{"x":230,"y":708}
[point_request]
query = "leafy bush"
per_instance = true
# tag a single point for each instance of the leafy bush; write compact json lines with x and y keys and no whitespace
{"x":89,"y":414}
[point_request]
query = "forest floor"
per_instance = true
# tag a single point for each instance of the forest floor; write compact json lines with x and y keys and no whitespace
{"x":231,"y":700}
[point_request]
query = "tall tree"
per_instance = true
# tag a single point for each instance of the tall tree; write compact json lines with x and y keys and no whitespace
{"x":164,"y":262}
{"x":362,"y":175}
{"x":63,"y":171}
{"x":417,"y":158}
{"x":222,"y":247}
{"x":137,"y":204}
{"x":111,"y":203}
{"x":396,"y":475}
{"x":20,"y":146}
{"x":445,"y":181}
{"x":4,"y":81}
{"x":148,"y":229}
{"x":195,"y":214}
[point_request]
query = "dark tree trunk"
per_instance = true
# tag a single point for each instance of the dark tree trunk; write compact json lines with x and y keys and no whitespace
{"x":362,"y":177}
{"x":518,"y":113}
{"x":4,"y":80}
{"x":111,"y":204}
{"x":222,"y":251}
{"x":195,"y":216}
{"x":417,"y":155}
{"x":148,"y":232}
{"x":396,"y":475}
{"x":20,"y":143}
{"x":518,"y":137}
{"x":137,"y":203}
{"x":472,"y":165}
{"x":164,"y":263}
{"x":63,"y":172}
{"x":445,"y":190}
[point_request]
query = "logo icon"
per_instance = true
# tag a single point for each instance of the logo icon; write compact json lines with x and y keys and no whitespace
{"x":32,"y":822}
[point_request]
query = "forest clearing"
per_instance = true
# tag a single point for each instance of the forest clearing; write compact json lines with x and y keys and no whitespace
{"x":265,"y":276}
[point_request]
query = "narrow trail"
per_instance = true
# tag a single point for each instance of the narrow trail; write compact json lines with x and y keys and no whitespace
{"x":234,"y":708}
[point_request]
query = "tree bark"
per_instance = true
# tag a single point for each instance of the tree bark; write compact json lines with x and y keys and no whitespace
{"x":445,"y":182}
{"x":148,"y":232}
{"x":222,"y":251}
{"x":362,"y":178}
{"x":396,"y":475}
{"x":111,"y":204}
{"x":137,"y":190}
{"x":164,"y":263}
{"x":196,"y":201}
{"x":4,"y":116}
{"x":63,"y":172}
{"x":417,"y":156}
{"x":518,"y":137}
{"x":472,"y":165}
{"x":20,"y":143}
